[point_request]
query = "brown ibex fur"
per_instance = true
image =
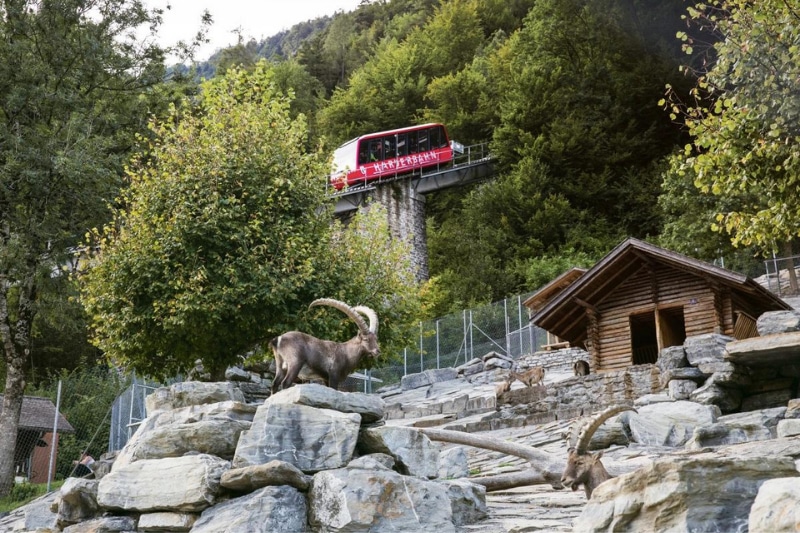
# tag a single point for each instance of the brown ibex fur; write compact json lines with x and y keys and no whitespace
{"x":583,"y":467}
{"x":503,"y":386}
{"x":530,"y":377}
{"x":581,"y":368}
{"x":332,"y":360}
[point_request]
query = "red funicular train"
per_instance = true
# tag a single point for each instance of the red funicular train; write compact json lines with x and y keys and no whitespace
{"x":390,"y":153}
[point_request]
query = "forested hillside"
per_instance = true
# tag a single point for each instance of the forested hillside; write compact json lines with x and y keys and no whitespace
{"x":566,"y":91}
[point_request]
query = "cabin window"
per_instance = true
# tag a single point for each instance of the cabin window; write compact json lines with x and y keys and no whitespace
{"x":644,"y":343}
{"x":402,"y":145}
{"x":423,"y":141}
{"x":389,"y":147}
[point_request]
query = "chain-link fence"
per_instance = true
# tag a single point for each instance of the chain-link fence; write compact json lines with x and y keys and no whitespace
{"x":65,"y":422}
{"x":455,"y":339}
{"x":782,"y":275}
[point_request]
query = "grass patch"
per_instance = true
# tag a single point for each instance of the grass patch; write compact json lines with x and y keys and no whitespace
{"x":23,"y":493}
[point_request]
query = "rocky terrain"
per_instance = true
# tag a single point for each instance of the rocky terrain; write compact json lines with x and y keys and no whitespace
{"x":714,"y":445}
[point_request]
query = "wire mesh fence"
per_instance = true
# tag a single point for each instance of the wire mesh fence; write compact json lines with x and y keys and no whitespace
{"x":64,"y":423}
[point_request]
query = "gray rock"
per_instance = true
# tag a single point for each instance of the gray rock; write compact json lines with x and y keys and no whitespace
{"x":701,"y":492}
{"x":250,"y":478}
{"x":77,"y":501}
{"x":311,"y":439}
{"x":214,"y":437}
{"x":772,"y":350}
{"x":669,"y":424}
{"x":234,"y":416}
{"x":497,"y":362}
{"x":688,"y":372}
{"x":737,"y":428}
{"x":793,"y":408}
{"x":191,"y":393}
{"x":414,"y":452}
{"x":716,"y":366}
{"x":107,"y":524}
{"x":775,"y":507}
{"x":789,"y":427}
{"x":186,"y":484}
{"x":778,"y":322}
{"x":681,"y":389}
{"x":172,"y":522}
{"x":708,"y":348}
{"x":727,"y":399}
{"x":766,"y":400}
{"x":647,"y":399}
{"x":39,"y":515}
{"x":428,"y":377}
{"x":268,"y":510}
{"x":671,"y":358}
{"x":370,"y":406}
{"x":373,"y":461}
{"x":351,"y":499}
{"x":467,"y":501}
{"x":234,"y":373}
{"x":453,"y":463}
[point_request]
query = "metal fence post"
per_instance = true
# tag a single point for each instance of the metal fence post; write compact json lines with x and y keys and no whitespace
{"x":471,"y":346}
{"x":421,"y":359}
{"x":519,"y":312}
{"x":405,"y":361}
{"x":437,"y":345}
{"x":466,"y":346}
{"x":54,"y":438}
{"x":508,"y":332}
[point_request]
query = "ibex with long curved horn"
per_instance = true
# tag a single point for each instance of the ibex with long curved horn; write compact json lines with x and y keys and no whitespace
{"x":583,"y":467}
{"x":332,"y":360}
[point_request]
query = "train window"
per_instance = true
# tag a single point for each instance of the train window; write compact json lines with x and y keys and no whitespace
{"x":438,"y":139}
{"x":375,"y":150}
{"x":402,"y":145}
{"x":363,"y":153}
{"x":412,"y":142}
{"x":389,"y":147}
{"x":423,"y":141}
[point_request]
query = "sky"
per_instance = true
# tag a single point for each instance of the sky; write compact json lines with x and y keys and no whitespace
{"x":257,"y":18}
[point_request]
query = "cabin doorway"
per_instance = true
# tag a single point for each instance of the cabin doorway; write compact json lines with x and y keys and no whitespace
{"x":644,"y":343}
{"x":652,"y":331}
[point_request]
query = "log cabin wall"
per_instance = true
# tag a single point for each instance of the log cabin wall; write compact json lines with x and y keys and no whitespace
{"x":657,"y":287}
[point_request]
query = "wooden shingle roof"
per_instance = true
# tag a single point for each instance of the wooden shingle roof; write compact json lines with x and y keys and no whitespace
{"x":39,"y":414}
{"x":564,"y":313}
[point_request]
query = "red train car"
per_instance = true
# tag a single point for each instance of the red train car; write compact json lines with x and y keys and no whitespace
{"x":390,"y":153}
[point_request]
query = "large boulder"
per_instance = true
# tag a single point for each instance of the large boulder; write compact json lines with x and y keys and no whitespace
{"x":162,"y":521}
{"x":669,"y":423}
{"x":414,"y":452}
{"x":707,"y":348}
{"x":453,"y":463}
{"x":191,"y":393}
{"x":106,"y":524}
{"x":212,"y":428}
{"x":776,"y":508}
{"x":427,"y":377}
{"x":189,"y":484}
{"x":376,"y":500}
{"x":369,"y":406}
{"x":467,"y":501}
{"x":778,"y":322}
{"x":268,"y":510}
{"x":254,"y":477}
{"x":77,"y":501}
{"x":311,"y":439}
{"x":737,"y":428}
{"x":701,"y":492}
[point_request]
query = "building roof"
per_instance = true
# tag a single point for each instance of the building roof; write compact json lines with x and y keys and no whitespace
{"x":564,"y":313}
{"x":538,"y":299}
{"x":38,"y":414}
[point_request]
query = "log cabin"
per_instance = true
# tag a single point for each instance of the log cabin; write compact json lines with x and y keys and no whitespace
{"x":640,"y":299}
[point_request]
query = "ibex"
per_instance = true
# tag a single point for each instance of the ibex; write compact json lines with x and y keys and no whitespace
{"x":530,"y":377}
{"x":583,"y":467}
{"x":332,"y":360}
{"x":503,"y":386}
{"x":581,"y":368}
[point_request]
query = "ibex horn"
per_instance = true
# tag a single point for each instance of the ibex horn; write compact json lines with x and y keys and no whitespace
{"x":371,"y":315}
{"x":344,"y":308}
{"x":588,"y":428}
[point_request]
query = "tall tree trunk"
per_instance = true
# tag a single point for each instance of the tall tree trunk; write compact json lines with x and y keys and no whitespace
{"x":15,"y":335}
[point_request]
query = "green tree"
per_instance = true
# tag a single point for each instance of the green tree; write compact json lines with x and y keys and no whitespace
{"x":73,"y":89}
{"x":743,"y":120}
{"x":222,"y":232}
{"x":224,"y":238}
